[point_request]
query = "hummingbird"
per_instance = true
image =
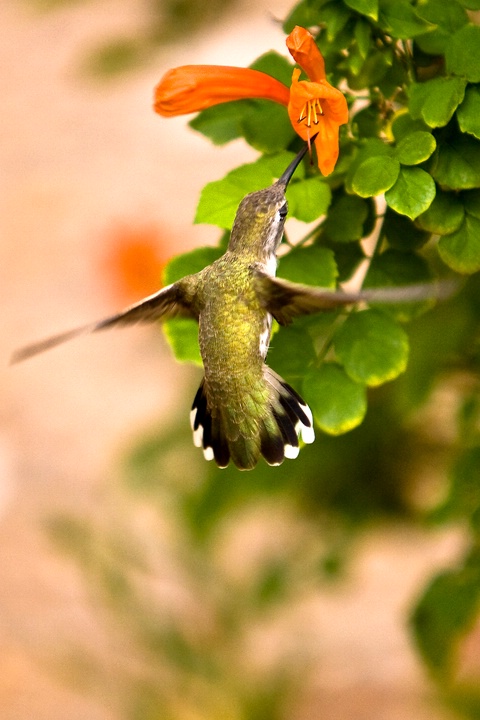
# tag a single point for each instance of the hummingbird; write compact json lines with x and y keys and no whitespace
{"x":242,"y":409}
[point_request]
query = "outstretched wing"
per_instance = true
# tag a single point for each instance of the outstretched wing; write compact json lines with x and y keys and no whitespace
{"x":286,"y":300}
{"x":164,"y":304}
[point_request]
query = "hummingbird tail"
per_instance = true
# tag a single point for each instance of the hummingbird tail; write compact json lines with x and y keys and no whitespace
{"x":275,"y":435}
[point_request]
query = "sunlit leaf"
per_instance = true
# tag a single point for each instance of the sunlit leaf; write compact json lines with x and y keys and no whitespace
{"x":372,"y":347}
{"x":399,"y":18}
{"x":436,"y":100}
{"x":338,"y":403}
{"x":415,"y":148}
{"x":375,"y":176}
{"x":364,"y":7}
{"x":312,"y":265}
{"x":468,"y":114}
{"x":308,"y":199}
{"x":412,"y":193}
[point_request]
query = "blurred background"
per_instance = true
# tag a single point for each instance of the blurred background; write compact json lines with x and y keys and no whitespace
{"x":136,"y":581}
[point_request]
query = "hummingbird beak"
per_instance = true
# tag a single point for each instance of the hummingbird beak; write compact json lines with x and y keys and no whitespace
{"x":287,"y":175}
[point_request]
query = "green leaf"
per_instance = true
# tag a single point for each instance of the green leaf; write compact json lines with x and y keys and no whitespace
{"x":363,"y":35}
{"x":364,"y":7}
{"x":354,"y":62}
{"x":222,"y":123}
{"x":312,"y":265}
{"x":461,"y":249}
{"x":468,"y":114}
{"x":371,"y":148}
{"x":375,"y":176}
{"x":400,"y":20}
{"x":445,"y":214}
{"x":401,"y":233}
{"x":276,"y":65}
{"x":335,"y":16}
{"x":308,"y":199}
{"x":463,"y":499}
{"x":372,"y":347}
{"x":267,"y":126}
{"x":219,"y":200}
{"x":396,"y":77}
{"x":456,"y":163}
{"x":345,"y":221}
{"x":462,"y":53}
{"x":403,"y":125}
{"x":268,"y":129}
{"x":447,"y":16}
{"x":182,"y":336}
{"x":338,"y":403}
{"x":415,"y":148}
{"x":412,"y":193}
{"x":443,"y":615}
{"x":375,"y":67}
{"x":436,"y":100}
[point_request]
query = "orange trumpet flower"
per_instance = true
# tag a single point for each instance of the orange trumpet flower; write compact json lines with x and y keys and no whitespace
{"x":314,"y":106}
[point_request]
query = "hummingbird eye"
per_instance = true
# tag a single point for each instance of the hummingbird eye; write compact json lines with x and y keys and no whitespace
{"x":283,"y":211}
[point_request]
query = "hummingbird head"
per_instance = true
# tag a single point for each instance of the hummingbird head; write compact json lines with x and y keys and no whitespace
{"x":258,"y":226}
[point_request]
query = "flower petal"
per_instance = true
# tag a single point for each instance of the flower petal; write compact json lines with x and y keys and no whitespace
{"x":326,"y":145}
{"x":192,"y":88}
{"x":305,"y":52}
{"x":334,"y":112}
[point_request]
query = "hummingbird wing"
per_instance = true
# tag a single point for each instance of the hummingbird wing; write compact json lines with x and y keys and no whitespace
{"x":286,"y":300}
{"x":164,"y":304}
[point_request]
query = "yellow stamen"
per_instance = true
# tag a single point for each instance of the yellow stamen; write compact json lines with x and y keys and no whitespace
{"x":311,"y":109}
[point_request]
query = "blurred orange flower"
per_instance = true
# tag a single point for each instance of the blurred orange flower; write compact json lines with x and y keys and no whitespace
{"x":314,"y":106}
{"x":134,"y":260}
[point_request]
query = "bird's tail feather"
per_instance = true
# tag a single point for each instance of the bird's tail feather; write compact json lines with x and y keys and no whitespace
{"x":276,"y":431}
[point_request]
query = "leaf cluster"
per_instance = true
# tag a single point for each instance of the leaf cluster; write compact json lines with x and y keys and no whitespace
{"x":403,"y":201}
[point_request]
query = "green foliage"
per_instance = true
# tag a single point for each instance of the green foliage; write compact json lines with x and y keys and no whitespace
{"x":375,"y":175}
{"x":446,"y":612}
{"x":435,"y":101}
{"x":412,"y":193}
{"x":372,"y":347}
{"x":338,"y":402}
{"x":415,"y":142}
